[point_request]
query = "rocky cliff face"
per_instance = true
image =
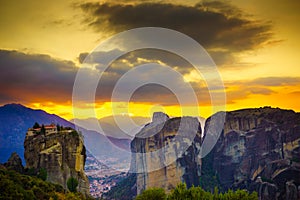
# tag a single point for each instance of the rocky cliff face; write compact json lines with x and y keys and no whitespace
{"x":165,"y":153}
{"x":259,"y":149}
{"x":61,"y":153}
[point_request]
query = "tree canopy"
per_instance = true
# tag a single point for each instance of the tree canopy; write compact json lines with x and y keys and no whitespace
{"x":181,"y":192}
{"x":36,"y":125}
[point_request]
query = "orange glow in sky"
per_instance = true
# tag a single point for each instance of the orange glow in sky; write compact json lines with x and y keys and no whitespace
{"x":54,"y":35}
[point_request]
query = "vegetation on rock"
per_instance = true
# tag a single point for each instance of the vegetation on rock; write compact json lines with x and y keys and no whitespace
{"x":152,"y":194}
{"x":72,"y":184}
{"x":182,"y":193}
{"x":124,"y":190}
{"x":42,"y":174}
{"x":36,"y":125}
{"x":17,"y":186}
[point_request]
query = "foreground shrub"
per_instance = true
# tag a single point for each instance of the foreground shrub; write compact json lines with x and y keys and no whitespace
{"x":152,"y":194}
{"x":182,"y":193}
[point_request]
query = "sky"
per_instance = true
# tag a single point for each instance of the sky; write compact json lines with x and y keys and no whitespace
{"x":254,"y":44}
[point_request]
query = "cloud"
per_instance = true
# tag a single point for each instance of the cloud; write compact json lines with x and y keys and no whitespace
{"x":223,"y":29}
{"x":147,"y":93}
{"x":29,"y":78}
{"x":276,"y":81}
{"x":102,"y":57}
{"x":238,"y":90}
{"x":220,"y":27}
{"x":41,"y":78}
{"x":260,"y":90}
{"x":35,"y":77}
{"x":135,"y":58}
{"x":297,"y":93}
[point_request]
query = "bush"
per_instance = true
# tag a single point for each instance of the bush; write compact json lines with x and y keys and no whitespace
{"x":152,"y":194}
{"x":72,"y":184}
{"x":74,"y":133}
{"x":17,"y":186}
{"x":42,"y":174}
{"x":182,"y":193}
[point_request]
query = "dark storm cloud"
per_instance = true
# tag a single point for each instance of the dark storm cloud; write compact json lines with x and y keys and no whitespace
{"x":30,"y":77}
{"x":152,"y":93}
{"x":135,"y":58}
{"x":217,"y":25}
{"x":158,"y":94}
{"x":82,"y":57}
{"x":102,"y":57}
{"x":161,"y":57}
{"x":41,"y":78}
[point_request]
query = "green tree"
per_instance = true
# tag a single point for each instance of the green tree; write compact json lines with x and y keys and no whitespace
{"x":181,"y":192}
{"x":42,"y":174}
{"x":72,"y":184}
{"x":36,"y":125}
{"x":43,"y":130}
{"x":58,"y":127}
{"x":152,"y":194}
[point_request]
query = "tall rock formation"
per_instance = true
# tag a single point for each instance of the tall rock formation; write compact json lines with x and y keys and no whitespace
{"x":62,"y":153}
{"x":165,"y":153}
{"x":259,"y":149}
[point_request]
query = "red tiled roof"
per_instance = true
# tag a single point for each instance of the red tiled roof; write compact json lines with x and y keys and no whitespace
{"x":48,"y":127}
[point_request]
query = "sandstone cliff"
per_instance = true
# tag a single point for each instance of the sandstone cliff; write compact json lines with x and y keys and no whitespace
{"x":165,"y":153}
{"x":61,"y":153}
{"x":259,"y":149}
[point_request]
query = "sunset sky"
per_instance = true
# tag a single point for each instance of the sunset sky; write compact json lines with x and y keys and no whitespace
{"x":255,"y":45}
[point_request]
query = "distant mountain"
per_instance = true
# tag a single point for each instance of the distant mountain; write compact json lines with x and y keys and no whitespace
{"x":111,"y":125}
{"x":15,"y":119}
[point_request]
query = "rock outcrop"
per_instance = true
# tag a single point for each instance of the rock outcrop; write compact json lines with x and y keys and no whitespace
{"x":61,"y":153}
{"x":165,"y":153}
{"x":261,"y":143}
{"x":14,"y":163}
